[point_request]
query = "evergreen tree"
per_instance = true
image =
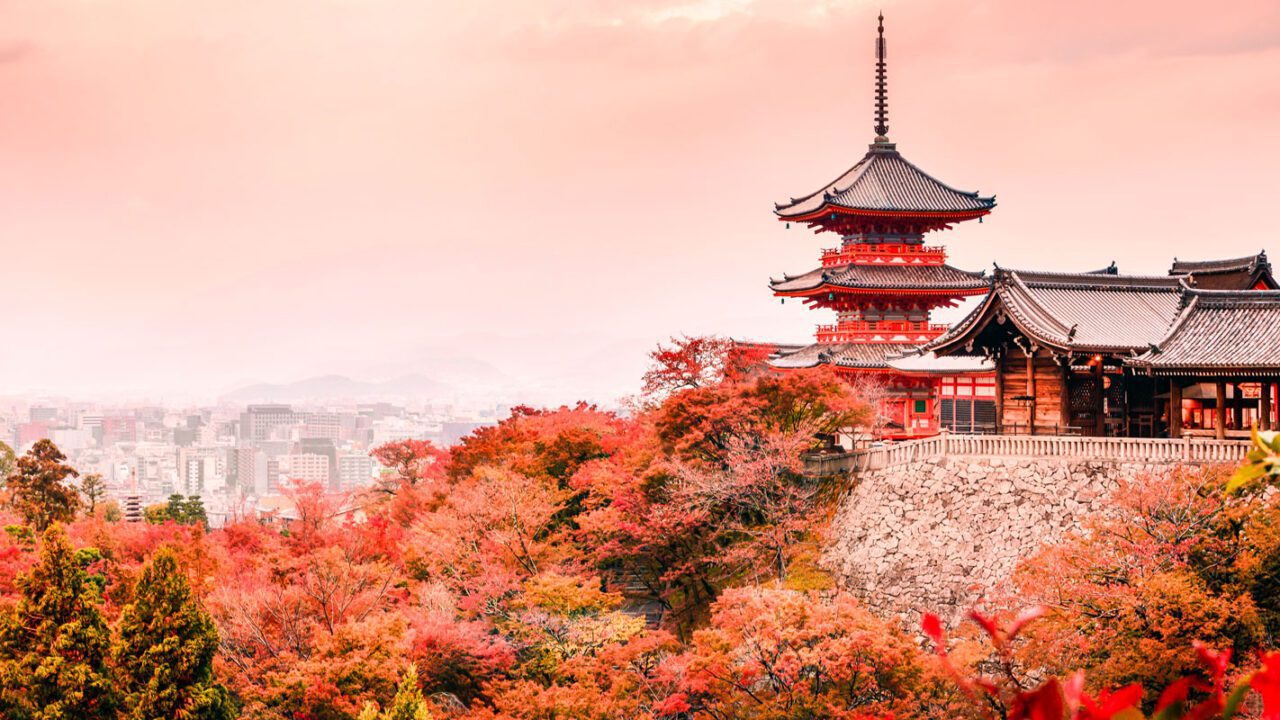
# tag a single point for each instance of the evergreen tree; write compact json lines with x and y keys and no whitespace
{"x":39,"y":489}
{"x":187,"y":510}
{"x":94,"y":488}
{"x":166,"y":648}
{"x":54,"y":643}
{"x":407,"y":705}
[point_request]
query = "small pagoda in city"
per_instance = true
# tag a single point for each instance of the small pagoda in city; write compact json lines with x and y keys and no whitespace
{"x":883,"y":281}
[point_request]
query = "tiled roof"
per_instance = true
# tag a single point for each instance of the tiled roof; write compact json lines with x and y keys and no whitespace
{"x":1183,"y":267}
{"x":885,"y":181}
{"x":1224,"y":330}
{"x":846,"y":355}
{"x":883,"y":277}
{"x":1076,"y":311}
{"x":1234,"y":274}
{"x":928,"y":363}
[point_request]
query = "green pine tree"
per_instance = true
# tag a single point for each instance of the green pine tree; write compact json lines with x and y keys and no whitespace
{"x":54,"y":643}
{"x":407,"y":705}
{"x":166,"y":648}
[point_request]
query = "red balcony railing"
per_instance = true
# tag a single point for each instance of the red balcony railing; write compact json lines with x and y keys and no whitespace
{"x":883,"y":254}
{"x":854,"y":331}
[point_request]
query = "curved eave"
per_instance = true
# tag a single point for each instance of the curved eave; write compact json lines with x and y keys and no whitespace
{"x":969,"y":325}
{"x":1239,"y":371}
{"x":827,"y":288}
{"x":825,"y":211}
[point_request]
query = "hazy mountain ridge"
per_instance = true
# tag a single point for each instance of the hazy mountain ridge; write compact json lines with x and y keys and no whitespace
{"x":340,"y":387}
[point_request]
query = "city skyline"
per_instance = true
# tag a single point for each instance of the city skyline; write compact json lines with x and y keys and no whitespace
{"x":204,"y":195}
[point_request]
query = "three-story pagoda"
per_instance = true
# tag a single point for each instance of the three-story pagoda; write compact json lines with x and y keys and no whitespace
{"x":882,"y":281}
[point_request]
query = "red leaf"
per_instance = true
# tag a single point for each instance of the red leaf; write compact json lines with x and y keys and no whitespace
{"x":1109,"y":703}
{"x":989,"y":627}
{"x":1266,"y":682}
{"x":932,"y":626}
{"x":1175,"y":693}
{"x":1043,"y":703}
{"x":1026,"y":616}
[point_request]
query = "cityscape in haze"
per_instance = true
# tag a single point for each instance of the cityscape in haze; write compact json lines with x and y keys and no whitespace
{"x":239,"y":460}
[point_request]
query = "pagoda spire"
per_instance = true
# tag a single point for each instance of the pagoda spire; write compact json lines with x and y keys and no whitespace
{"x":882,"y":91}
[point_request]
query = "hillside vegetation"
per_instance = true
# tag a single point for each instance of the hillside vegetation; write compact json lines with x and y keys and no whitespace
{"x":578,"y":563}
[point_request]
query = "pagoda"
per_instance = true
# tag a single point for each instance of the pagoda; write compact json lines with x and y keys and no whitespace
{"x":883,"y":281}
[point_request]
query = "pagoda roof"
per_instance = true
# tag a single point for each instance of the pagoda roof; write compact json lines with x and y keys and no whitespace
{"x":1252,"y":272}
{"x":887,"y":184}
{"x":860,"y":356}
{"x":1229,"y":332}
{"x":1082,"y":312}
{"x":882,"y":277}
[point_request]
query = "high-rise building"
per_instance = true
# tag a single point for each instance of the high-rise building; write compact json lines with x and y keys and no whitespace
{"x":119,"y":429}
{"x":354,"y":471}
{"x":258,"y":422}
{"x":307,"y":468}
{"x":202,"y":469}
{"x":323,"y":425}
{"x":324,"y":447}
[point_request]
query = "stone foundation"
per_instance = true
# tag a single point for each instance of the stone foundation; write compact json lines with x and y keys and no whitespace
{"x":940,"y":534}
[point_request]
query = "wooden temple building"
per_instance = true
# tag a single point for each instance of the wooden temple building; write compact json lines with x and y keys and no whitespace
{"x":1193,"y":352}
{"x":1124,"y":355}
{"x":882,"y":281}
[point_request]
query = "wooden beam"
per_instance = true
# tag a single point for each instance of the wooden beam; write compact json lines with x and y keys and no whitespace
{"x":1064,"y":396}
{"x":1031,"y":390}
{"x":1100,"y":405}
{"x":1175,"y":408}
{"x":999,"y":358}
{"x":1220,"y":412}
{"x":1264,"y":421}
{"x":1237,"y":407}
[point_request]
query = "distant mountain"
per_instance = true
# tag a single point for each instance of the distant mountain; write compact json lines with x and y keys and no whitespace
{"x":340,"y":387}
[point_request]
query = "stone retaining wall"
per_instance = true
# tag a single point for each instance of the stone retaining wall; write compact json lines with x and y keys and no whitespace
{"x":940,"y":534}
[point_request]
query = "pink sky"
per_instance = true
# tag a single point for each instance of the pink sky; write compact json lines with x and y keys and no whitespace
{"x":199,"y":193}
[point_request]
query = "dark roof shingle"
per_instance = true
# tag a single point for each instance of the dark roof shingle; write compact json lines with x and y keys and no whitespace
{"x":1077,"y":311}
{"x":885,"y":181}
{"x":1233,"y":274}
{"x":1224,"y":330}
{"x":845,"y":355}
{"x":884,"y":277}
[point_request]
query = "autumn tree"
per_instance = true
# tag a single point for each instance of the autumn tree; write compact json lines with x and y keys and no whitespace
{"x":775,"y":654}
{"x":411,"y":461}
{"x":8,"y":459}
{"x":687,"y":363}
{"x":38,"y":487}
{"x":1171,"y":561}
{"x":309,"y":620}
{"x":166,"y":647}
{"x":761,"y":501}
{"x":702,"y":424}
{"x":55,"y":644}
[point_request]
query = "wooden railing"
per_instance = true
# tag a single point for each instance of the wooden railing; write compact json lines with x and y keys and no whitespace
{"x":1138,"y":450}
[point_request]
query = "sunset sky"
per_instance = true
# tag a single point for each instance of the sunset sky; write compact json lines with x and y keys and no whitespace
{"x":196,"y":194}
